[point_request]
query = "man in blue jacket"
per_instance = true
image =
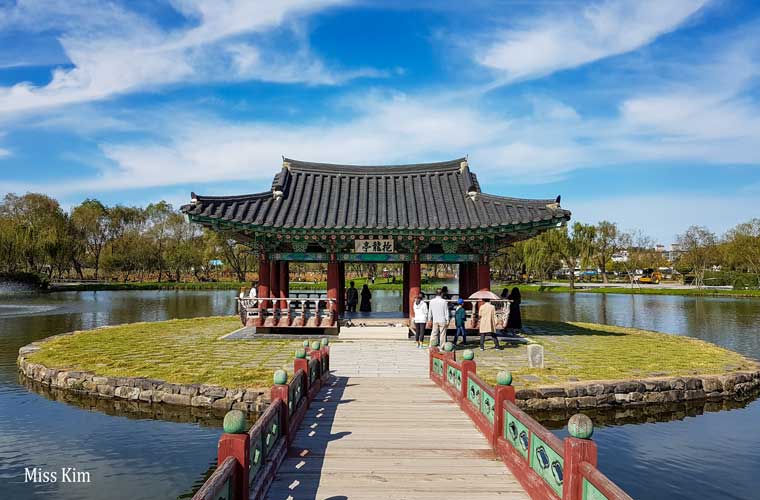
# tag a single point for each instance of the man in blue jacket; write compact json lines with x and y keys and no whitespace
{"x":460,"y":316}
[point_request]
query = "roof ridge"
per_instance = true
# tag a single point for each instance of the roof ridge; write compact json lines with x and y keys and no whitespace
{"x":336,"y":168}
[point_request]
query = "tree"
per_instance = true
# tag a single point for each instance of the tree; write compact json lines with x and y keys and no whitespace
{"x":92,"y":223}
{"x":239,"y":258}
{"x":608,"y":240}
{"x":742,"y":247}
{"x":699,"y":247}
{"x":158,"y":219}
{"x":573,"y":249}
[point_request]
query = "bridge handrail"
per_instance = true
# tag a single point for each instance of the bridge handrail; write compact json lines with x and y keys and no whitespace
{"x":546,"y":467}
{"x":220,"y":483}
{"x":283,"y":311}
{"x":248,"y":459}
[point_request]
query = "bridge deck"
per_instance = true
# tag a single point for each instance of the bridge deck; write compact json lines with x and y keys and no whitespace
{"x":381,"y":429}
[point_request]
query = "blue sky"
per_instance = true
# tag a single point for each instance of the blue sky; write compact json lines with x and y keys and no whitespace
{"x":642,"y":112}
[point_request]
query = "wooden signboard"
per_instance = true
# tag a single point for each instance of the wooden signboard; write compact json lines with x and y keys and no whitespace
{"x":373,"y":246}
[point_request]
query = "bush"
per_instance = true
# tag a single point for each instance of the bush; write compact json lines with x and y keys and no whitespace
{"x":35,"y":280}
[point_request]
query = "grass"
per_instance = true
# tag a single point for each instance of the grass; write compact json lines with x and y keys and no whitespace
{"x":587,"y":352}
{"x":694,"y":292}
{"x":179,"y":351}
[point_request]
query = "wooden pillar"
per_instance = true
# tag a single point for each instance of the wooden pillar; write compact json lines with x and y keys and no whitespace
{"x":333,"y":284}
{"x":284,"y":273}
{"x":274,"y":281}
{"x":472,"y":277}
{"x":484,"y":274}
{"x":464,"y":284}
{"x":341,"y":288}
{"x":405,"y":303}
{"x":415,"y":282}
{"x":264,"y":269}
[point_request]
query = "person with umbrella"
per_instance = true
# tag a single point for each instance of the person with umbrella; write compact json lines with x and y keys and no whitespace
{"x":487,"y":315}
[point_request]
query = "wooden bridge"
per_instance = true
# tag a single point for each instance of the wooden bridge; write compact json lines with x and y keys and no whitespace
{"x":371,"y":420}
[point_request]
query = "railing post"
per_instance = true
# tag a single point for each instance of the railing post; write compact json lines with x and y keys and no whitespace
{"x":301,"y":363}
{"x":577,"y":448}
{"x":280,"y":391}
{"x":236,"y":443}
{"x":502,"y":392}
{"x":468,"y":366}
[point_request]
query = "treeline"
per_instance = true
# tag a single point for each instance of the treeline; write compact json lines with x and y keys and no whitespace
{"x":736,"y":254}
{"x":95,"y":241}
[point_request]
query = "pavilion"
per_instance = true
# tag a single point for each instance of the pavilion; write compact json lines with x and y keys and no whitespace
{"x":407,"y":214}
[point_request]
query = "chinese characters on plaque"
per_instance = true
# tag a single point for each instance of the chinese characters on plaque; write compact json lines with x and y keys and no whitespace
{"x":373,"y":246}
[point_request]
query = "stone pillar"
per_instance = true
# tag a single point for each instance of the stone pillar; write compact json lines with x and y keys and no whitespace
{"x":284,"y":273}
{"x":415,"y":282}
{"x":405,"y":290}
{"x":333,"y":284}
{"x":341,"y":288}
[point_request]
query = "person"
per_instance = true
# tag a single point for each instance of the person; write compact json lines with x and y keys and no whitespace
{"x":445,"y":293}
{"x":505,"y":293}
{"x":420,"y":318}
{"x":514,"y":320}
{"x":254,"y":292}
{"x":366,"y":305}
{"x":352,"y":297}
{"x":487,"y":314}
{"x":438,"y":313}
{"x":460,"y":316}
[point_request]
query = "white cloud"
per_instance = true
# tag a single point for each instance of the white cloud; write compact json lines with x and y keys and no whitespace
{"x":4,"y":153}
{"x":114,"y":51}
{"x":568,"y":39}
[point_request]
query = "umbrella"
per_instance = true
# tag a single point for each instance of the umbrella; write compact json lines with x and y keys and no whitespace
{"x":485,"y":294}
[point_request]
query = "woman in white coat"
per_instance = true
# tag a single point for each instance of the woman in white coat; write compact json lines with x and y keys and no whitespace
{"x":420,"y":318}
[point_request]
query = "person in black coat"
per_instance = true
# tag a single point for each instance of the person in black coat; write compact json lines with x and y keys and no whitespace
{"x":514,"y":320}
{"x":366,"y":305}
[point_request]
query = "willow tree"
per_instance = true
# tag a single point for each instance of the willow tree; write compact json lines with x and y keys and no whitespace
{"x":573,"y":248}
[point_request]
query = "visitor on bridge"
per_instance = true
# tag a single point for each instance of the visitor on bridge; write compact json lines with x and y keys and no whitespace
{"x":420,"y":318}
{"x":438,"y":313}
{"x":352,"y":297}
{"x":514,"y":319}
{"x":366,"y":304}
{"x":487,"y":314}
{"x":460,"y":317}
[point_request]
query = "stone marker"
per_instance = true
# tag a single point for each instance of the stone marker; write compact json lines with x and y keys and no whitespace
{"x":535,"y":356}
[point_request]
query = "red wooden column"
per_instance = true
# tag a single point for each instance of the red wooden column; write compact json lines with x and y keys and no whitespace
{"x":405,"y":304}
{"x":264,"y":269}
{"x":284,"y":274}
{"x":341,"y":288}
{"x":415,"y":282}
{"x":274,"y":280}
{"x":464,"y":284}
{"x":472,"y":277}
{"x":333,"y":283}
{"x":484,"y":274}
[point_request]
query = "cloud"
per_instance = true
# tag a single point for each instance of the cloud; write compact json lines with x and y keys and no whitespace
{"x":114,"y":51}
{"x":4,"y":153}
{"x":562,"y":40}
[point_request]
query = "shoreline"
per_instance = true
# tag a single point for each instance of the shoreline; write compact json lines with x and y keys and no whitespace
{"x":551,"y":288}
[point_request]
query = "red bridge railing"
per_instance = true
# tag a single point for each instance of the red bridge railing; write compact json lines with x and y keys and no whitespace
{"x":248,"y":459}
{"x":546,"y":467}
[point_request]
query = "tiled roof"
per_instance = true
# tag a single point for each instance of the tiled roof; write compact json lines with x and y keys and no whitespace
{"x":308,"y":195}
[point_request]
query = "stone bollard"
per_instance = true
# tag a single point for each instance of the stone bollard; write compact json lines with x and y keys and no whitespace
{"x":502,"y":392}
{"x":578,"y":448}
{"x":236,"y":443}
{"x":535,"y":356}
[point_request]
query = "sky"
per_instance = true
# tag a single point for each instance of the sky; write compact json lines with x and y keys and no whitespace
{"x":643,"y":112}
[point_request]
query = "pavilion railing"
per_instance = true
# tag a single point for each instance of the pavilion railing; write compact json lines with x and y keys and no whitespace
{"x":270,"y":312}
{"x":546,"y":467}
{"x":248,"y":459}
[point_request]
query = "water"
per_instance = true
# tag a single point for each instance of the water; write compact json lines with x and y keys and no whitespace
{"x":128,"y":458}
{"x":700,"y":454}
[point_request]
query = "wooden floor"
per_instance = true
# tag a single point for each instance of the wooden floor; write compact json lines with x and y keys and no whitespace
{"x":377,"y":437}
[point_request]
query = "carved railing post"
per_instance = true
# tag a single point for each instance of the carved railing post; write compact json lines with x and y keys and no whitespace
{"x":578,"y":448}
{"x":502,"y":392}
{"x":235,"y":443}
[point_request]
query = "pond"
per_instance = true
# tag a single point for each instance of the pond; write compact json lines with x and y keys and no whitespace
{"x":137,"y":457}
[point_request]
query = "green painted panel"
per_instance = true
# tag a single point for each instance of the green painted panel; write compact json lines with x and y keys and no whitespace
{"x":547,"y":463}
{"x":487,"y":406}
{"x":301,"y":256}
{"x":258,"y":455}
{"x":438,"y":366}
{"x":448,"y":257}
{"x":225,"y":492}
{"x":473,"y":392}
{"x":454,"y":377}
{"x":590,"y":492}
{"x":516,"y":433}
